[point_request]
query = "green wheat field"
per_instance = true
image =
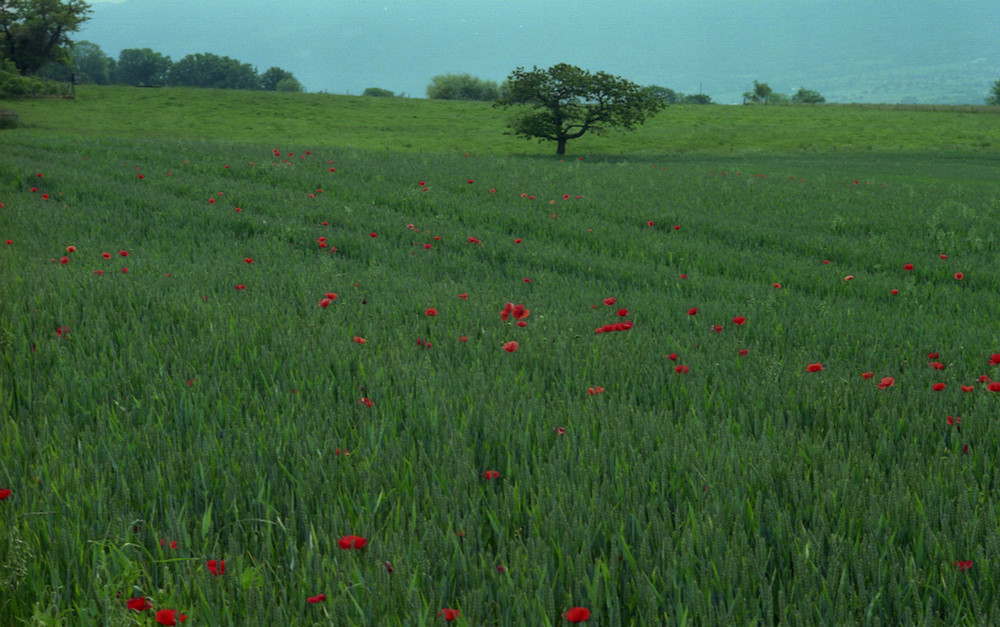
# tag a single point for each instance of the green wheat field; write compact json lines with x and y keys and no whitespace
{"x":258,"y":365}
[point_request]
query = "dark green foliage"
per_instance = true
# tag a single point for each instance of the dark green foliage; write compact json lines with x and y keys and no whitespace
{"x":565,"y":102}
{"x":462,"y":87}
{"x":698,"y":99}
{"x":34,"y":33}
{"x":761,"y":94}
{"x":211,"y":70}
{"x":807,"y":96}
{"x":271,"y":80}
{"x":378,"y":92}
{"x":142,"y":67}
{"x":665,"y":94}
{"x":994,"y":97}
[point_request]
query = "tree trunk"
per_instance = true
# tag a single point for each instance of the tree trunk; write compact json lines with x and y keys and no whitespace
{"x":561,"y":146}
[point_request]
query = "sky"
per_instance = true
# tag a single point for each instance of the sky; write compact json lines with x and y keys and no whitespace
{"x":850,"y":50}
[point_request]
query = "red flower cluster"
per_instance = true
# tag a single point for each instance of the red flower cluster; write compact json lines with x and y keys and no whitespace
{"x":518,"y":312}
{"x":618,"y":326}
{"x":352,"y":542}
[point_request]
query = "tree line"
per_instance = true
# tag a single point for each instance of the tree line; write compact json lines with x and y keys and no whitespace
{"x":35,"y":42}
{"x":143,"y":66}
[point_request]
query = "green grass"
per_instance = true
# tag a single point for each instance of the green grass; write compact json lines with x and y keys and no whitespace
{"x":417,"y":125}
{"x":745,"y":491}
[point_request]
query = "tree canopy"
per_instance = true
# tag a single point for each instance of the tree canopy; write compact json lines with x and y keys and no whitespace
{"x":565,"y":102}
{"x":994,"y":98}
{"x":34,"y":33}
{"x":462,"y":87}
{"x":142,"y":66}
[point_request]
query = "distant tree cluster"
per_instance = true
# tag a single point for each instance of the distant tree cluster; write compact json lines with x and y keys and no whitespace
{"x":462,"y":87}
{"x":378,"y":92}
{"x":669,"y":96}
{"x":763,"y":94}
{"x":143,"y":66}
{"x":35,"y":41}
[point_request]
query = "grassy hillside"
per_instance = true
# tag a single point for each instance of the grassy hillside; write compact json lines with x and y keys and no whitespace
{"x":225,"y":359}
{"x":416,"y":125}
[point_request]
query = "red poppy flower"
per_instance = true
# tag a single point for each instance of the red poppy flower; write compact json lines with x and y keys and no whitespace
{"x":45,"y":196}
{"x":595,"y":390}
{"x":359,"y":340}
{"x":463,"y":296}
{"x":692,"y":311}
{"x":965,"y":451}
{"x":814,"y":367}
{"x":6,"y":492}
{"x":908,"y":267}
{"x":559,"y":430}
{"x":576,"y":614}
{"x":672,"y":356}
{"x":319,"y":598}
{"x":124,"y":270}
{"x":944,"y":256}
{"x":894,"y":292}
{"x":138,"y":604}
{"x":994,"y":386}
{"x":216,"y":567}
{"x":352,"y":542}
{"x":367,"y":402}
{"x":519,"y":312}
{"x":825,"y":261}
{"x":34,"y":190}
{"x":610,"y":300}
{"x":967,"y":388}
{"x":738,"y":320}
{"x":373,"y":234}
{"x":71,"y":249}
{"x":241,"y":287}
{"x":62,"y":331}
{"x":867,"y":375}
{"x":717,"y":328}
{"x":953,"y":421}
{"x":431,"y":312}
{"x":936,"y":365}
{"x":682,"y":369}
{"x":849,"y":277}
{"x":743,"y":352}
{"x":491,"y":474}
{"x":473,"y":240}
{"x":684,"y":276}
{"x":677,"y":227}
{"x":518,"y":240}
{"x":64,"y":260}
{"x":248,"y":260}
{"x":623,"y":312}
{"x":8,"y":242}
{"x":427,"y":246}
{"x":324,"y":302}
{"x":937,"y":387}
{"x":650,"y":223}
{"x":886,"y":382}
{"x":984,"y":379}
{"x":446,"y":612}
{"x":933,"y":355}
{"x":994,"y":359}
{"x":170,"y":617}
{"x":959,"y":276}
{"x":510,"y":347}
{"x":106,"y":255}
{"x":963,"y":565}
{"x":777,"y":286}
{"x":522,"y":323}
{"x":123,"y":253}
{"x":462,"y":338}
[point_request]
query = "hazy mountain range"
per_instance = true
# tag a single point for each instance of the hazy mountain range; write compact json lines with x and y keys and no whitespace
{"x":925,"y":51}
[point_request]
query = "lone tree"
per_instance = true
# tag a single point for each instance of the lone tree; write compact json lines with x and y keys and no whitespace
{"x":565,"y":102}
{"x":761,"y":94}
{"x":34,"y":33}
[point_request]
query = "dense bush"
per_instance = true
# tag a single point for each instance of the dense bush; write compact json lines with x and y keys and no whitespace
{"x":462,"y":87}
